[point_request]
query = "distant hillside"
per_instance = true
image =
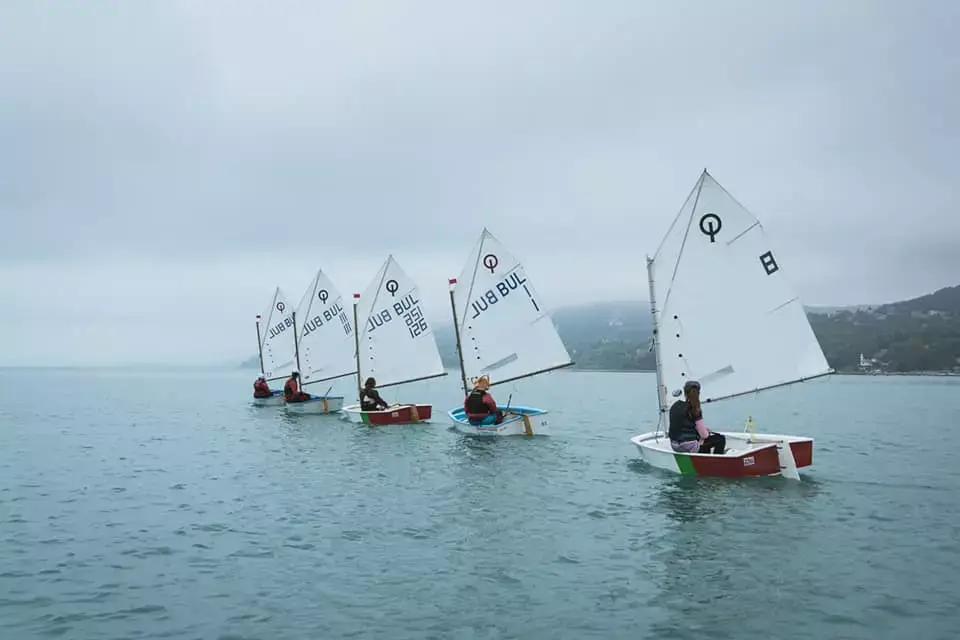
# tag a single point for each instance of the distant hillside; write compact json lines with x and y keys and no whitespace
{"x":922,"y":334}
{"x":946,"y":300}
{"x":607,"y":335}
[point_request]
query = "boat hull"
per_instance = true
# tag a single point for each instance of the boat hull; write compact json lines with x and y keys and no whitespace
{"x":397,"y":414}
{"x":519,"y":421}
{"x":276,"y":400}
{"x":317,"y":405}
{"x":747,"y":455}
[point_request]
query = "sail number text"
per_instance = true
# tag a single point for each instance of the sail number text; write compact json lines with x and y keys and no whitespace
{"x":408,"y":308}
{"x":500,"y":291}
{"x":280,"y":327}
{"x":334,"y":312}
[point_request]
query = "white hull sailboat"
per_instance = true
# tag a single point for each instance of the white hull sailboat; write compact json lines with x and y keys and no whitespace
{"x":275,"y":347}
{"x":323,"y":346}
{"x":503,"y":332}
{"x":518,"y":421}
{"x":725,"y":316}
{"x":394,"y":344}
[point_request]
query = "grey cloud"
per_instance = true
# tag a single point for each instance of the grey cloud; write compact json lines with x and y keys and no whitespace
{"x":160,"y":140}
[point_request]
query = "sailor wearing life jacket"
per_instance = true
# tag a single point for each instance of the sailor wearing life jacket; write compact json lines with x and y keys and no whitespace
{"x":370,"y":399}
{"x":261,"y":389}
{"x":480,"y":406}
{"x":291,"y":389}
{"x":688,"y":433}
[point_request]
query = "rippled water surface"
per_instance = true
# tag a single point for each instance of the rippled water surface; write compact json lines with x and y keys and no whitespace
{"x":137,"y":504}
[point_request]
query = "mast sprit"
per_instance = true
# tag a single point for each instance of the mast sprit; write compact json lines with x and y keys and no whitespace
{"x":452,"y":282}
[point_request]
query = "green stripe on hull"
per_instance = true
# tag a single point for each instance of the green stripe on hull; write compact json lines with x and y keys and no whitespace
{"x":685,"y":464}
{"x":364,"y":418}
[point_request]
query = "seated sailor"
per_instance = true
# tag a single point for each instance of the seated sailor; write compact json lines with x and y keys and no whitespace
{"x":291,"y":389}
{"x":688,"y":433}
{"x":261,"y":389}
{"x":370,"y":399}
{"x":480,"y":406}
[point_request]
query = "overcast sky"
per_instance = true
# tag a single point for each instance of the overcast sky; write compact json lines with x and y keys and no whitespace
{"x":164,"y":165}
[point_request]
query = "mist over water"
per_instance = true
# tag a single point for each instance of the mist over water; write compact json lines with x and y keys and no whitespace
{"x":160,"y":504}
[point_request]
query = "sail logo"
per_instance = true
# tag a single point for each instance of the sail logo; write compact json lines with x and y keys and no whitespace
{"x":319,"y":320}
{"x":710,"y":225}
{"x":280,"y":327}
{"x":490,"y":297}
{"x":490,"y":261}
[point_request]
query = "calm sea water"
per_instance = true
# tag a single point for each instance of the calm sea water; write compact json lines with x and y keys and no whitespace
{"x":137,"y":504}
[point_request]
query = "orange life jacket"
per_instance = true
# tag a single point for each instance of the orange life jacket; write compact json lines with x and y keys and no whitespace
{"x":261,"y":389}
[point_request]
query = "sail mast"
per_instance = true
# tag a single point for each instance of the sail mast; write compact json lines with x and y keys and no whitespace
{"x":356,"y":341}
{"x":456,"y":331}
{"x":661,"y":389}
{"x":260,"y":346}
{"x":296,"y":344}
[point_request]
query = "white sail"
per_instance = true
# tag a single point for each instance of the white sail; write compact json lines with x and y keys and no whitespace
{"x":325,"y":330}
{"x":727,"y":316}
{"x":505,"y":330}
{"x":396,"y":342}
{"x":276,"y":337}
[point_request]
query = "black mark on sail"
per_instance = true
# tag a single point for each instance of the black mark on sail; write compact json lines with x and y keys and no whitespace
{"x":490,"y":261}
{"x":392,"y":287}
{"x":281,"y":307}
{"x":710,"y":225}
{"x":323,"y":295}
{"x":769,"y":264}
{"x":532,"y":299}
{"x":502,"y":362}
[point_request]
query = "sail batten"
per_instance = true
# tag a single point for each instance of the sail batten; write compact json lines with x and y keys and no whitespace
{"x":728,"y":317}
{"x":502,"y":324}
{"x":396,"y":343}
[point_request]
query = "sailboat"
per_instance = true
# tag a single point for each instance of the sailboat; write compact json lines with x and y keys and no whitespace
{"x":324,"y":346}
{"x":504,"y":332}
{"x":276,"y":345}
{"x":394,"y":344}
{"x":725,"y":316}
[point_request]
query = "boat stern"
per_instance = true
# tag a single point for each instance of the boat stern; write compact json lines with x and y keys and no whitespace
{"x":317,"y":405}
